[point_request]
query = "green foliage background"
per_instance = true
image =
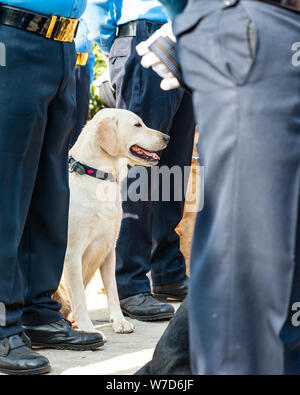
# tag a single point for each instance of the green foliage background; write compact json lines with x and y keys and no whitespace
{"x":100,"y":67}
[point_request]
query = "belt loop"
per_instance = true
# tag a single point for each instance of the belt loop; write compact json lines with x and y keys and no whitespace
{"x":141,"y":30}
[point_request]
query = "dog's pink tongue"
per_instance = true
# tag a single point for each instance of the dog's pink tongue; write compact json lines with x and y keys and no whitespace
{"x":142,"y":151}
{"x":152,"y":155}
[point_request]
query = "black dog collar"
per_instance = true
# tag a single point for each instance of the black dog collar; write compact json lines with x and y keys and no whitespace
{"x":79,"y":168}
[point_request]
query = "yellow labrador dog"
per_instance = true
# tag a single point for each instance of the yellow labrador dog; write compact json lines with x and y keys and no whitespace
{"x":100,"y":158}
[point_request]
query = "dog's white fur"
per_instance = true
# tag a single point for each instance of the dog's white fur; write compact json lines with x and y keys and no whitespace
{"x":94,"y":221}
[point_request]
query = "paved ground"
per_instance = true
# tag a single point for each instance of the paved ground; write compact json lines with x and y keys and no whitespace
{"x":122,"y":354}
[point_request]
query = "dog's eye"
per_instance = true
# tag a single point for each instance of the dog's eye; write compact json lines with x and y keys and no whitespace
{"x":138,"y":125}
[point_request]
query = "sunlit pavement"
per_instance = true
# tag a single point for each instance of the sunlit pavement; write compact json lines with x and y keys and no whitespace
{"x":122,"y":354}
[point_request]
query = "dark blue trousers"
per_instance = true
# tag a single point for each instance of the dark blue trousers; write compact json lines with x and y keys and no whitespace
{"x":245,"y":270}
{"x":83,"y":84}
{"x":37,"y":104}
{"x":148,"y":241}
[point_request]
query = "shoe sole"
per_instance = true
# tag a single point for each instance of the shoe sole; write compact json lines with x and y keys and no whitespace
{"x":161,"y":317}
{"x":168,"y":298}
{"x":31,"y":372}
{"x":70,"y":347}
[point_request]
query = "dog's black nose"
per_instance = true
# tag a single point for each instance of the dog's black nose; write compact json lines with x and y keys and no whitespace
{"x":166,"y":138}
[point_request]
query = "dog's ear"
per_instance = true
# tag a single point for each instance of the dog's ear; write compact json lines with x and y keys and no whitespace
{"x":107,"y":135}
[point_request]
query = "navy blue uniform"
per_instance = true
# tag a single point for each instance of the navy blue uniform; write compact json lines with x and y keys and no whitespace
{"x":37,"y":108}
{"x":245,"y":271}
{"x":84,"y":79}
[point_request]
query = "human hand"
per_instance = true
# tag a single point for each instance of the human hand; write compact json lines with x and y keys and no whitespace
{"x":150,"y":59}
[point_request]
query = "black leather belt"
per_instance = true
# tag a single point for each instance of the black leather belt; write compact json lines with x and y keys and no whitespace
{"x":130,"y":29}
{"x":53,"y":27}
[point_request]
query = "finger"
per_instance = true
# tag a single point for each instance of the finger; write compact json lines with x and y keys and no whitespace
{"x":143,"y":47}
{"x":164,"y":31}
{"x":162,"y":70}
{"x":149,"y":60}
{"x":168,"y":84}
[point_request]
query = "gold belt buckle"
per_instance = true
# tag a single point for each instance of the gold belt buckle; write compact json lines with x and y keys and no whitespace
{"x":82,"y":58}
{"x":67,"y":29}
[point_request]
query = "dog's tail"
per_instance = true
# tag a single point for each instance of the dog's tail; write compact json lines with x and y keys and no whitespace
{"x":62,"y":297}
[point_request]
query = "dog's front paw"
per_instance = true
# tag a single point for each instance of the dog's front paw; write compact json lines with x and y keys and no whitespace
{"x":122,"y":326}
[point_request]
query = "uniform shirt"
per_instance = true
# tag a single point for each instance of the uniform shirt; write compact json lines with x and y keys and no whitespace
{"x":82,"y":41}
{"x":174,"y":6}
{"x":65,"y":8}
{"x":103,"y":17}
{"x":85,"y":45}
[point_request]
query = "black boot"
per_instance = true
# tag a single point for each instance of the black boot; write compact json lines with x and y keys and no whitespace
{"x":175,"y":292}
{"x":61,"y":336}
{"x":145,"y":307}
{"x":17,"y":358}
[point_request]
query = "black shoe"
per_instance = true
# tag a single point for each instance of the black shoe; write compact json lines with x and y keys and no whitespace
{"x":144,"y":307}
{"x":17,"y":358}
{"x":61,"y":336}
{"x":175,"y":292}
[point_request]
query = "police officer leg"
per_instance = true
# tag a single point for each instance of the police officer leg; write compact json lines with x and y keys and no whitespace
{"x":23,"y":120}
{"x":44,"y":241}
{"x":245,"y":96}
{"x":45,"y":237}
{"x":82,"y":99}
{"x":168,"y":265}
{"x":25,"y":92}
